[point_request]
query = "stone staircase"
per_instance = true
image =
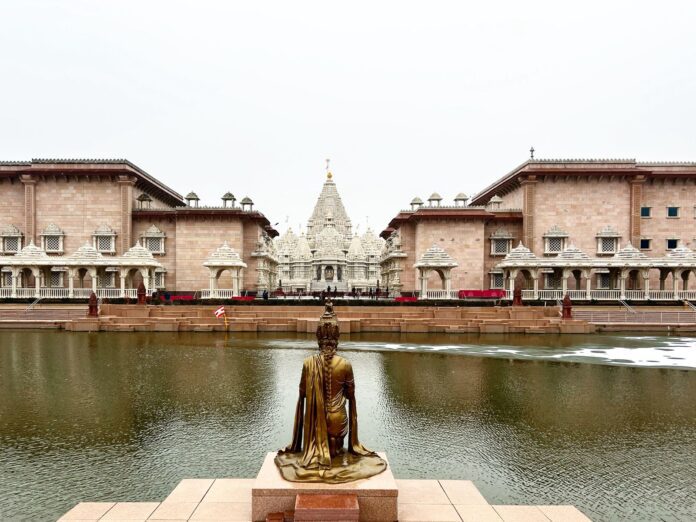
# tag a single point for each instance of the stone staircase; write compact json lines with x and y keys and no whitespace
{"x":352,"y":319}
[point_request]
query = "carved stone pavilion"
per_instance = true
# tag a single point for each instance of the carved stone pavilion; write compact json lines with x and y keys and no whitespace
{"x":329,"y":253}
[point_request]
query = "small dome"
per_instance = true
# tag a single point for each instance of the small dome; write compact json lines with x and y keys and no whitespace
{"x":192,"y":195}
{"x":224,"y":255}
{"x":416,"y":201}
{"x":435,"y":197}
{"x":630,"y":252}
{"x":461,"y":197}
{"x":496,"y":199}
{"x":573,"y":252}
{"x":31,"y":252}
{"x":682,"y":252}
{"x":86,"y":252}
{"x":246,"y":200}
{"x":520,"y":252}
{"x":229,"y":197}
{"x":144,"y":197}
{"x":52,"y":230}
{"x":138,"y":251}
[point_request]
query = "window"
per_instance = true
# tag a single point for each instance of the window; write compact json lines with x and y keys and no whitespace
{"x":552,"y":281}
{"x":11,"y":244}
{"x":497,"y":281}
{"x":153,"y":240}
{"x":56,"y":280}
{"x":10,"y":239}
{"x":645,"y":212}
{"x":6,"y":279}
{"x":155,"y":244}
{"x":645,"y":244}
{"x":500,"y":247}
{"x":555,"y":240}
{"x":607,"y":245}
{"x":52,"y":239}
{"x":159,"y":279}
{"x":554,"y":245}
{"x":104,"y":243}
{"x":672,"y":244}
{"x":105,"y":240}
{"x":673,"y":212}
{"x":106,"y":280}
{"x":604,"y":281}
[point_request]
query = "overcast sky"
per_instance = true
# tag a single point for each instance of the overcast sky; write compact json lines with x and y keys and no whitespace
{"x":405,"y":98}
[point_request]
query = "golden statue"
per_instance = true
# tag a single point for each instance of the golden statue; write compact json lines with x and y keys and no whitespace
{"x":317,"y":452}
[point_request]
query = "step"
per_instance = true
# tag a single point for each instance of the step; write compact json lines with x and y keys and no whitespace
{"x":327,"y":508}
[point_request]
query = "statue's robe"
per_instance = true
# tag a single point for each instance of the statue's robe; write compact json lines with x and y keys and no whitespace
{"x":308,"y":458}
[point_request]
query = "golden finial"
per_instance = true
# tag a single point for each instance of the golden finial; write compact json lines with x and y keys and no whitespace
{"x":328,"y":172}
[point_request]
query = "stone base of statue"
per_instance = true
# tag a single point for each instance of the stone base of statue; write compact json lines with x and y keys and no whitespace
{"x":271,"y":493}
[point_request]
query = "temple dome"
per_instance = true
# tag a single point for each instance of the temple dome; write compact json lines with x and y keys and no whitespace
{"x":224,"y":255}
{"x":356,"y":250}
{"x":31,"y":252}
{"x":630,"y":252}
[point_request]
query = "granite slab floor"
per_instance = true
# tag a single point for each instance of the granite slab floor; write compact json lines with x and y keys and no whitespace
{"x":230,"y":500}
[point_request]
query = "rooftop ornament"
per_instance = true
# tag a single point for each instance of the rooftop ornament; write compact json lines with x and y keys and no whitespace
{"x":192,"y":196}
{"x":434,"y":197}
{"x":228,"y":197}
{"x":460,"y":200}
{"x":144,"y":200}
{"x":247,"y":203}
{"x":416,"y":203}
{"x":495,"y":202}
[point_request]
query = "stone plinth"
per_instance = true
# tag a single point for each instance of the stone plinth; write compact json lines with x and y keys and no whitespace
{"x":377,"y":496}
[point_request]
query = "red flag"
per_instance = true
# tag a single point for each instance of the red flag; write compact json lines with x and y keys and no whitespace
{"x":220,"y":311}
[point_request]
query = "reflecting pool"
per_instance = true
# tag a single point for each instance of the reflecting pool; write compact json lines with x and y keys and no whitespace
{"x":607,"y":423}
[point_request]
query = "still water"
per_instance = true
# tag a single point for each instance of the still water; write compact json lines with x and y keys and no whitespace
{"x":607,"y":423}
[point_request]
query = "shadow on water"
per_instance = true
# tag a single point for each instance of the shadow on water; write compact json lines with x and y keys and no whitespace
{"x":126,"y":416}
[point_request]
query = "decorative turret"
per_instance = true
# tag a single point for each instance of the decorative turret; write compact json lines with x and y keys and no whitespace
{"x":144,"y":200}
{"x":460,"y":200}
{"x":247,"y":203}
{"x":192,"y":199}
{"x":436,"y":198}
{"x":495,"y":202}
{"x":416,"y":203}
{"x":228,"y":197}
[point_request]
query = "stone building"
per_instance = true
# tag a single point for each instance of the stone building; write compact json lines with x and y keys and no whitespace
{"x":68,"y":227}
{"x":329,"y":254}
{"x":599,"y":229}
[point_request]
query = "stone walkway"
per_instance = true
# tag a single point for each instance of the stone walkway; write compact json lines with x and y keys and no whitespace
{"x":230,"y":500}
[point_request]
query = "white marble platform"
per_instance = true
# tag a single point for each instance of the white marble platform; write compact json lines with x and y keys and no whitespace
{"x":229,"y":499}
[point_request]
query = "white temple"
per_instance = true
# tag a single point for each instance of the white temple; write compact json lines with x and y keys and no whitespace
{"x":329,"y":254}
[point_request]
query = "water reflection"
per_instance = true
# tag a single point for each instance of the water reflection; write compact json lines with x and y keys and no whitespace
{"x":126,"y":416}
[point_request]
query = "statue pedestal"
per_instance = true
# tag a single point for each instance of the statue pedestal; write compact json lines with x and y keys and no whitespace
{"x":377,"y":496}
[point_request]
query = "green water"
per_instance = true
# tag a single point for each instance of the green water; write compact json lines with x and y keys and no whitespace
{"x":532,"y":420}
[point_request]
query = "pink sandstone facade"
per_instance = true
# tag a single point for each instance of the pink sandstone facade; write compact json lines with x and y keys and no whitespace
{"x":59,"y":207}
{"x":618,"y":228}
{"x":596,"y":229}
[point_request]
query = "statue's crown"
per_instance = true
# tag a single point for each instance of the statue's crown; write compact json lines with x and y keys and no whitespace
{"x":328,"y":324}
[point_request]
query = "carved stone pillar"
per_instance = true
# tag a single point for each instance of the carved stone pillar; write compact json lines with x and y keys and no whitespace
{"x":528,"y":209}
{"x":126,"y":184}
{"x":29,"y":209}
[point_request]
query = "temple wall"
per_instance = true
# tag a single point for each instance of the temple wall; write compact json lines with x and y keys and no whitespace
{"x":78,"y":207}
{"x":513,"y":200}
{"x":12,"y":208}
{"x":461,"y":239}
{"x":168,"y":260}
{"x":582,"y":208}
{"x":489,"y":261}
{"x":660,"y":195}
{"x":196,"y":238}
{"x":251,"y":234}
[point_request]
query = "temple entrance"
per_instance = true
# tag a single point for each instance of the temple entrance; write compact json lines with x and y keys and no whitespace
{"x":329,"y":273}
